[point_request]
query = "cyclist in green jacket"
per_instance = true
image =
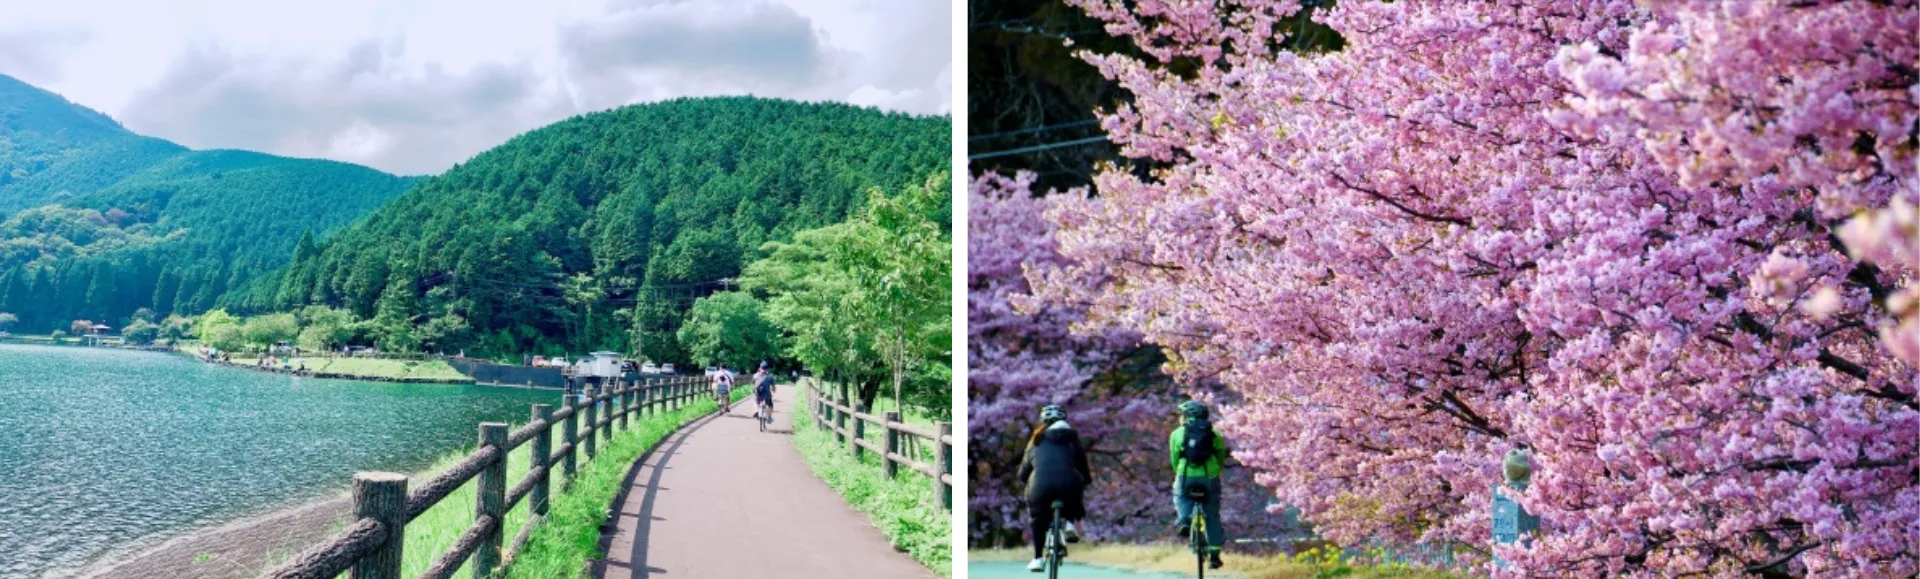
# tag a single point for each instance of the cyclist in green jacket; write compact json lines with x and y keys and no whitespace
{"x":1197,"y":455}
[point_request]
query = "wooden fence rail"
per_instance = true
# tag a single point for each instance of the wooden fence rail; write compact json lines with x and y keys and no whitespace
{"x":372,"y":545}
{"x":833,"y":416}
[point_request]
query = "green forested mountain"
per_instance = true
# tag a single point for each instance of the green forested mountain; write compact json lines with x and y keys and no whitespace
{"x":599,"y":231}
{"x":51,"y":149}
{"x":97,"y":222}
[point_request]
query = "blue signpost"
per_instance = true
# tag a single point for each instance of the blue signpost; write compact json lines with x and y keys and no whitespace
{"x":1510,"y":521}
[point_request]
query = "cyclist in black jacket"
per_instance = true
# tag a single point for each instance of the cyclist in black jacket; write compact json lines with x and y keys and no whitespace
{"x":1055,"y":469}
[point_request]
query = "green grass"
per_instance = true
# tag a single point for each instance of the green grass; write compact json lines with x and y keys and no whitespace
{"x":571,"y":535}
{"x":375,"y":367}
{"x":573,"y":516}
{"x":919,"y":449}
{"x":903,"y":509}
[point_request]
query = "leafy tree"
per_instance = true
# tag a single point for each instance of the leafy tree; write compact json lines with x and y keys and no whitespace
{"x":81,"y":327}
{"x":266,"y":330}
{"x":220,"y":330}
{"x":865,"y":301}
{"x":727,"y":328}
{"x":447,"y":333}
{"x":176,"y":327}
{"x":58,"y":337}
{"x":325,"y":328}
{"x":140,"y":332}
{"x":7,"y":320}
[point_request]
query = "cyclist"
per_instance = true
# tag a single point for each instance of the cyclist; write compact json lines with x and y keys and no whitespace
{"x":722,"y":386}
{"x":1198,"y":454}
{"x":1055,"y":469}
{"x":763,"y":392}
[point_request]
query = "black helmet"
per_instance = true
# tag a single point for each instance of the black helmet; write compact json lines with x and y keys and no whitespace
{"x":1052,"y":413}
{"x":1193,"y":409}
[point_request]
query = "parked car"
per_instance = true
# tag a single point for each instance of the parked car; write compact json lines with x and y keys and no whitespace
{"x":666,"y":368}
{"x":711,"y":371}
{"x":650,"y":368}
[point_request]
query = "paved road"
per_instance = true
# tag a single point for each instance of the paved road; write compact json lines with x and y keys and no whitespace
{"x":1013,"y":570}
{"x":720,"y":499}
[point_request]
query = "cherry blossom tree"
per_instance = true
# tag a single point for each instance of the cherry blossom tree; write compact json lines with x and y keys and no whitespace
{"x":1669,"y":247}
{"x":1023,"y":357}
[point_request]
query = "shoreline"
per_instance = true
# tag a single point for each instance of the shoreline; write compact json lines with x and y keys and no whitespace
{"x":237,"y":548}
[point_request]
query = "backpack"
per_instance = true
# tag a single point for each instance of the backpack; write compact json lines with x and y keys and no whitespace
{"x":1198,"y":449}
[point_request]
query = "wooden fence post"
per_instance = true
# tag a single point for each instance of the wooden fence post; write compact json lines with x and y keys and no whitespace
{"x":649,"y":397}
{"x":943,"y":431}
{"x":840,"y":421}
{"x":893,"y":447}
{"x":570,"y":437}
{"x":541,"y":460}
{"x":859,"y":432}
{"x":491,"y":500}
{"x":381,"y":496}
{"x":591,"y":422}
{"x":607,"y":415}
{"x":625,"y":398}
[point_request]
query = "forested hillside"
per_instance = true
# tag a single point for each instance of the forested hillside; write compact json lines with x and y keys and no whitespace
{"x":97,"y":222}
{"x":51,"y":149}
{"x":600,"y":231}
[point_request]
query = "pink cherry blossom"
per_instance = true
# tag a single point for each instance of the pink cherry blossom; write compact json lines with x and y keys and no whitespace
{"x":1022,"y":357}
{"x":1585,"y":226}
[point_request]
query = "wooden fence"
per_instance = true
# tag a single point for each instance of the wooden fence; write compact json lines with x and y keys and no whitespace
{"x":371,"y":546}
{"x":834,"y":416}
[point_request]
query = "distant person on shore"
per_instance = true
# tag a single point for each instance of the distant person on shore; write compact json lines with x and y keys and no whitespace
{"x":1055,"y":469}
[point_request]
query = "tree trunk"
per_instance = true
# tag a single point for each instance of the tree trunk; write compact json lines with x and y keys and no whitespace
{"x":899,"y":366}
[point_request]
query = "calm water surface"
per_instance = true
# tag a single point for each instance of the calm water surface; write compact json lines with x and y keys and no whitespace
{"x":102,"y":447}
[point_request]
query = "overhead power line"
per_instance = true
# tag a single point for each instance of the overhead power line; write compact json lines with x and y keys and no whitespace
{"x":1038,"y":148}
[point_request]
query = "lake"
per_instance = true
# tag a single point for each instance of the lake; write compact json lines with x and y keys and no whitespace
{"x":99,"y":447}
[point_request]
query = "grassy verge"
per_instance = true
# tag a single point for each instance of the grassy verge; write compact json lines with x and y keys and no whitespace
{"x":375,"y":368}
{"x":574,"y":516}
{"x":1169,"y":558}
{"x":902,"y":509}
{"x":570,"y":537}
{"x":919,"y":449}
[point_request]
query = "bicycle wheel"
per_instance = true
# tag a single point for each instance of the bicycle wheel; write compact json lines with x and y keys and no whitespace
{"x":1197,"y":540}
{"x":1053,"y":551}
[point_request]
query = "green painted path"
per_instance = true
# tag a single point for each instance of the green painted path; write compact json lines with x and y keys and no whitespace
{"x":1018,"y":570}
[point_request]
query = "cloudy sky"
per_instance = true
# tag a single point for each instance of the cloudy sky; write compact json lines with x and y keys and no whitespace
{"x":414,"y":86}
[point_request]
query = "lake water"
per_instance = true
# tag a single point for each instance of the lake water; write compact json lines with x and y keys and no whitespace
{"x":99,"y":447}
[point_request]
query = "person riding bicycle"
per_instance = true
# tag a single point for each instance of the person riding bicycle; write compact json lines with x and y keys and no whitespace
{"x":722,"y":386}
{"x":763,"y":391}
{"x":1197,"y":455}
{"x":1055,"y":469}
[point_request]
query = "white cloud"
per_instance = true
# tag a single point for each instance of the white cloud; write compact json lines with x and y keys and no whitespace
{"x":414,"y":86}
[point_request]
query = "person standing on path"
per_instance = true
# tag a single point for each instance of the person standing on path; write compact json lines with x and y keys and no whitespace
{"x":1055,"y":469}
{"x":1198,"y":455}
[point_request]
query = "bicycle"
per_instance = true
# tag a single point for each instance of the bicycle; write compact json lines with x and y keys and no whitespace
{"x":720,"y":397}
{"x":1056,"y":542}
{"x":1197,"y":527}
{"x":766,"y":414}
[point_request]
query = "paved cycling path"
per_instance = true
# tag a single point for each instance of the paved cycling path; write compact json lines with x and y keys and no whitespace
{"x":1013,"y":570}
{"x":720,"y":499}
